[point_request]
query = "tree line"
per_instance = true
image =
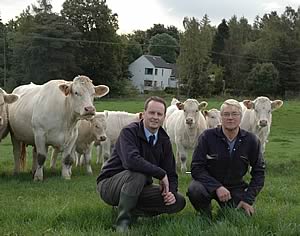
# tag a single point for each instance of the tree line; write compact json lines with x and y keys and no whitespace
{"x":235,"y":57}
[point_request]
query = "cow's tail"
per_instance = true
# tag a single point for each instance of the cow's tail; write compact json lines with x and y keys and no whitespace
{"x":23,"y":156}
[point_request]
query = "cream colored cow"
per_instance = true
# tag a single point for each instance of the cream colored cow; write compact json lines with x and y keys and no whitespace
{"x":212,"y":117}
{"x":48,"y":114}
{"x":115,"y":121}
{"x":89,"y":131}
{"x":257,"y":118}
{"x":5,"y":99}
{"x":184,"y":127}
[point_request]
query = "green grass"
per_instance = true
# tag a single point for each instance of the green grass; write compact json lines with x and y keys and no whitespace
{"x":59,"y":207}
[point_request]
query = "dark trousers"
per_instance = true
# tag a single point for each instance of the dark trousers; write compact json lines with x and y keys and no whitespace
{"x":150,"y":201}
{"x":201,"y":198}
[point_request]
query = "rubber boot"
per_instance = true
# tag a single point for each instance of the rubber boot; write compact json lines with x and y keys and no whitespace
{"x":126,"y":204}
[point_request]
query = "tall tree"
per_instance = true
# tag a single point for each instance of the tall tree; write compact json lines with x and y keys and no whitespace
{"x":165,"y":46}
{"x":194,"y":58}
{"x":218,"y":46}
{"x":102,"y":51}
{"x":43,"y":47}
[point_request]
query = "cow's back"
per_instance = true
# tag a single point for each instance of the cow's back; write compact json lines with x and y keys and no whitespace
{"x":20,"y":112}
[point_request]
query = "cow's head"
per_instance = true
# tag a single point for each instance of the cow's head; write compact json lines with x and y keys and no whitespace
{"x":192,"y":110}
{"x":5,"y":98}
{"x":263,"y":108}
{"x":212,"y":117}
{"x":81,"y":93}
{"x":98,"y":123}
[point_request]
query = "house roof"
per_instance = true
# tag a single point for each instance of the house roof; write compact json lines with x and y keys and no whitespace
{"x":158,"y":62}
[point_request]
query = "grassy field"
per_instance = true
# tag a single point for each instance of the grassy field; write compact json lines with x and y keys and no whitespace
{"x":59,"y":207}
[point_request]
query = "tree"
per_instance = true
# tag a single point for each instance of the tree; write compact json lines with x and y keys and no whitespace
{"x":263,"y":80}
{"x":102,"y":53}
{"x":218,"y":46}
{"x":43,"y":47}
{"x":194,"y":59}
{"x":163,"y":45}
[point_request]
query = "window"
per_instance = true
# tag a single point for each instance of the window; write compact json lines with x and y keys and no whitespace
{"x":147,"y":83}
{"x":161,"y":84}
{"x":148,"y":71}
{"x":162,"y":72}
{"x":155,"y":83}
{"x":155,"y":71}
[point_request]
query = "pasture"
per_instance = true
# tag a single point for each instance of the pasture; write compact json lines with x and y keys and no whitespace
{"x":59,"y":207}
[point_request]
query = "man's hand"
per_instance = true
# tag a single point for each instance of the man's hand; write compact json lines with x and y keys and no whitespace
{"x":164,"y":184}
{"x":223,"y":194}
{"x":168,"y":196}
{"x":248,"y":208}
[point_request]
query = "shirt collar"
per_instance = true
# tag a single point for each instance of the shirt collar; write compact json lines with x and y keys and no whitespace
{"x":148,"y":134}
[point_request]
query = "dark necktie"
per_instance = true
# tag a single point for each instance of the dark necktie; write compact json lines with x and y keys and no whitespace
{"x":151,"y":139}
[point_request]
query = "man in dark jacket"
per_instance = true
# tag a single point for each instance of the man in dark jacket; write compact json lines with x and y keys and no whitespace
{"x":143,"y":151}
{"x":221,"y":160}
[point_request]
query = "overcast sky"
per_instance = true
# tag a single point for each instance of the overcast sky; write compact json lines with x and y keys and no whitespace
{"x":142,"y":14}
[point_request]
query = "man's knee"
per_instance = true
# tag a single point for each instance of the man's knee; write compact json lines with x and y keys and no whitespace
{"x":180,"y":202}
{"x":196,"y":190}
{"x":134,"y":183}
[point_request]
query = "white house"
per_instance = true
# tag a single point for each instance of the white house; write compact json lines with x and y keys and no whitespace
{"x":152,"y":73}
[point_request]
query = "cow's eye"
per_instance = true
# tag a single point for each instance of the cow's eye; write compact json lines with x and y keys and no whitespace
{"x":196,"y":110}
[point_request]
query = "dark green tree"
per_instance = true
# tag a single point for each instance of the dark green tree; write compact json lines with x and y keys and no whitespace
{"x":218,"y":46}
{"x":163,"y":45}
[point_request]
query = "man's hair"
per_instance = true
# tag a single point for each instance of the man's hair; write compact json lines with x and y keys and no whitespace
{"x":231,"y":102}
{"x":156,"y":99}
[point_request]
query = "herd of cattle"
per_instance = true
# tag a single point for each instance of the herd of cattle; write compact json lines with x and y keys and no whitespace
{"x":61,"y":115}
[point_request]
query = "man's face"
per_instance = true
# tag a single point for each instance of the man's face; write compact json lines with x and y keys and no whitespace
{"x":230,"y":118}
{"x":154,"y":116}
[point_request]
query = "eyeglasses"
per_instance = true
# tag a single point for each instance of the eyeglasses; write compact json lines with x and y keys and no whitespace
{"x":228,"y":114}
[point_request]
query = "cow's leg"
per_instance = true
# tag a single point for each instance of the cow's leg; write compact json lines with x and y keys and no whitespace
{"x":68,"y":159}
{"x":41,"y":149}
{"x":99,"y":153}
{"x":88,"y":157}
{"x":53,"y":159}
{"x":34,"y":160}
{"x":78,"y":159}
{"x":183,"y":157}
{"x":17,"y":153}
{"x":106,"y":150}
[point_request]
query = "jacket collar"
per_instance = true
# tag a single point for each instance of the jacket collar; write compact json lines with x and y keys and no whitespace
{"x":141,"y":133}
{"x":219,"y":133}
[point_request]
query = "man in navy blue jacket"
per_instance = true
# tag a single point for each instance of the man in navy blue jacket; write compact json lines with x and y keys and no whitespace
{"x":221,"y":160}
{"x":143,"y":151}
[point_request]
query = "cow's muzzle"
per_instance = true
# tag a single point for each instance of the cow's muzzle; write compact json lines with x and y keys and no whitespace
{"x":263,"y":123}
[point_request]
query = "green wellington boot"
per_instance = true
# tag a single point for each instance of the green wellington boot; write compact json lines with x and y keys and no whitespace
{"x":126,"y":204}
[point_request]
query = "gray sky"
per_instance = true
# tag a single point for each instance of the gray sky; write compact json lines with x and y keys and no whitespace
{"x":142,"y":14}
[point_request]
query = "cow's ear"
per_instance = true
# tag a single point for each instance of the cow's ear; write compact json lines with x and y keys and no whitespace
{"x":140,"y":115}
{"x":276,"y":104}
{"x":202,"y":105}
{"x":101,"y":90}
{"x":180,"y":105}
{"x":249,"y":104}
{"x":65,"y":88}
{"x":10,"y":98}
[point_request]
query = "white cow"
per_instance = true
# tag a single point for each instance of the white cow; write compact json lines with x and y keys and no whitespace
{"x":258,"y":117}
{"x":212,"y":117}
{"x":89,"y":131}
{"x":48,"y":114}
{"x":184,"y":127}
{"x":5,"y":99}
{"x":175,"y":105}
{"x":115,"y":121}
